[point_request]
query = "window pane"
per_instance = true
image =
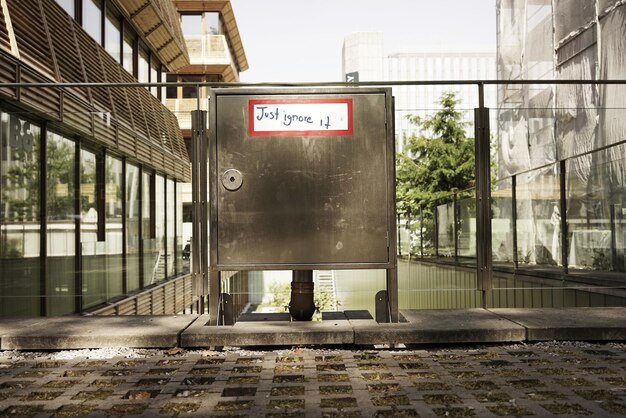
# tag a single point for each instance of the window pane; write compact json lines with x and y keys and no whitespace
{"x":154,"y":71}
{"x":67,"y":5}
{"x":170,"y":227}
{"x":539,"y":218}
{"x":148,"y":256}
{"x":190,"y":92}
{"x":445,"y":230}
{"x":60,"y":278}
{"x":92,"y":252}
{"x":114,"y":232}
{"x":159,"y":200}
{"x":171,"y":91}
{"x":182,"y":261}
{"x":163,"y":79}
{"x":132,"y":227}
{"x":20,"y":220}
{"x":212,"y":22}
{"x":88,"y":197}
{"x":113,"y":37}
{"x":129,"y":42}
{"x":191,"y":24}
{"x":143,"y":71}
{"x":92,"y":19}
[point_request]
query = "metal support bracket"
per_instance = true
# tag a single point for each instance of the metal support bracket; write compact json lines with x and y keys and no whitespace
{"x":382,"y":307}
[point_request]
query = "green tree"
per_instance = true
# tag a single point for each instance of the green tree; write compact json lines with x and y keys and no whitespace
{"x":436,"y":162}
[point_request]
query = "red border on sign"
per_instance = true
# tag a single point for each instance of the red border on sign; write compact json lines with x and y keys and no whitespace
{"x":252,"y":132}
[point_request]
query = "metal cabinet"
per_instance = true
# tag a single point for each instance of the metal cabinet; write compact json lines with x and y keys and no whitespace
{"x":301,"y":179}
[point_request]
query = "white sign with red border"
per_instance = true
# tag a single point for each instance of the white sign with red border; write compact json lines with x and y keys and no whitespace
{"x":300,"y":117}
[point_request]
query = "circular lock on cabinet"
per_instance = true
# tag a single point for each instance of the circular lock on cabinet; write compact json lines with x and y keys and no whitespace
{"x":232,"y":179}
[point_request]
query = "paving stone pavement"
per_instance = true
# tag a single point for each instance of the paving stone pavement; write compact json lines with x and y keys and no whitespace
{"x":544,"y":379}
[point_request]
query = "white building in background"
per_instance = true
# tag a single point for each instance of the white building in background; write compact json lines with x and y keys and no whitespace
{"x":363,"y":56}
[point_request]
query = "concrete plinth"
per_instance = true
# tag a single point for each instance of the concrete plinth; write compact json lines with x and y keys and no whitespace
{"x":439,"y":327}
{"x":268,"y":333}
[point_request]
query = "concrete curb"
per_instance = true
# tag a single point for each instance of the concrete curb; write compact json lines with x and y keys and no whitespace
{"x":77,"y":332}
{"x":592,"y":324}
{"x":468,"y":326}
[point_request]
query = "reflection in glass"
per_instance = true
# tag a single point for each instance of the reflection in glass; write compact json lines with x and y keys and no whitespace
{"x":92,"y":256}
{"x":191,"y":92}
{"x":539,"y":217}
{"x":170,"y":231}
{"x":467,"y":225}
{"x":182,"y":262}
{"x":596,"y":212}
{"x":92,"y":19}
{"x":128,"y":46}
{"x":171,"y":92}
{"x":61,"y":225}
{"x":502,"y":223}
{"x":159,"y":201}
{"x":427,"y":232}
{"x":20,"y":218}
{"x":143,"y":68}
{"x":114,"y":179}
{"x":88,"y":197}
{"x":113,"y":36}
{"x":154,"y":75}
{"x":132,"y":227}
{"x":148,"y":256}
{"x":445,"y":230}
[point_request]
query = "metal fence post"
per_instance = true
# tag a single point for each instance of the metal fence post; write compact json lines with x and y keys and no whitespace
{"x":199,"y":243}
{"x":483,"y":197}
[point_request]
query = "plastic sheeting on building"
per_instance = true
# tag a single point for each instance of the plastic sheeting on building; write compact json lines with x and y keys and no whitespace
{"x":581,"y":124}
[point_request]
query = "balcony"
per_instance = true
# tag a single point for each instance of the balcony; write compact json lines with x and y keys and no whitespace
{"x":210,"y":54}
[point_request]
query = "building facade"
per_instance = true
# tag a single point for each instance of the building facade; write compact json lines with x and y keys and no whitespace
{"x":560,"y":194}
{"x":363,"y":53}
{"x":90,"y":178}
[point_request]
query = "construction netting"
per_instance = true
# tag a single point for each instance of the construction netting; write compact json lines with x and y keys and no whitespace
{"x":561,"y":142}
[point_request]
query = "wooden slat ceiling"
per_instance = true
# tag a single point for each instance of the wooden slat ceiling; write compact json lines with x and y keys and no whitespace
{"x":232,"y":31}
{"x":158,"y":22}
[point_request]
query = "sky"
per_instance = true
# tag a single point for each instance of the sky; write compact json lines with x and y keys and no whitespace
{"x":300,"y":41}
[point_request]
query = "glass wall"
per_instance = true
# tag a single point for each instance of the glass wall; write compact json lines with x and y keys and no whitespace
{"x":114,"y":186}
{"x":20,"y":216}
{"x":133,"y":239}
{"x":61,"y":225}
